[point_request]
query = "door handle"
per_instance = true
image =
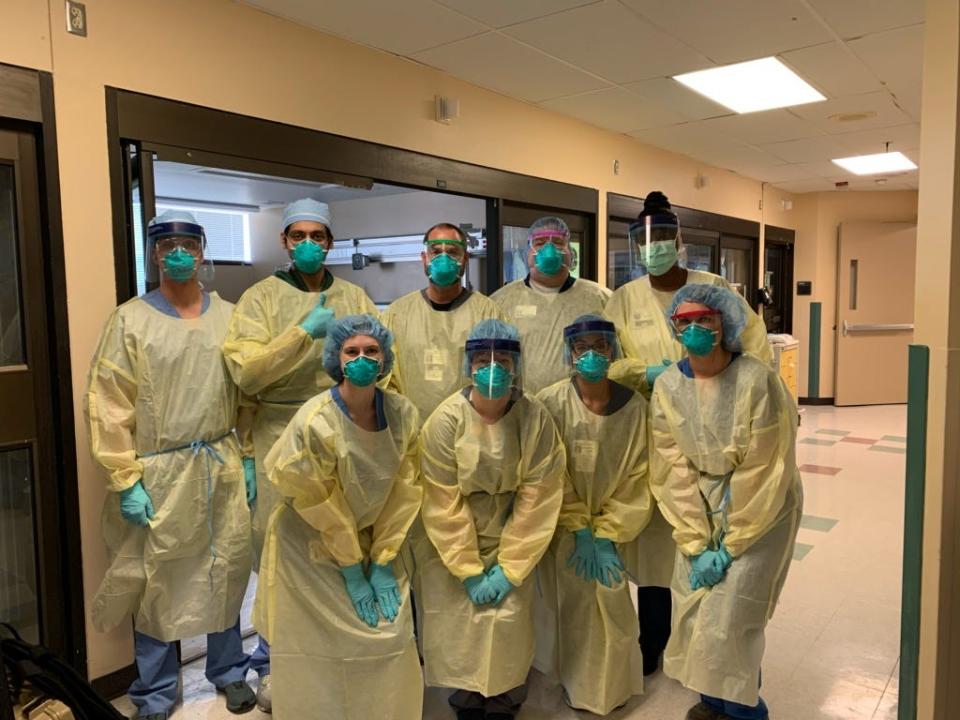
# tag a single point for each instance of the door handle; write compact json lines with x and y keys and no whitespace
{"x":872,"y":328}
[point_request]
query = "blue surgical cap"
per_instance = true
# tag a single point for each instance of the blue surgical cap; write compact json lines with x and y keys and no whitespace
{"x":715,"y":297}
{"x":589,"y":325}
{"x":307,"y":209}
{"x":350,"y":326}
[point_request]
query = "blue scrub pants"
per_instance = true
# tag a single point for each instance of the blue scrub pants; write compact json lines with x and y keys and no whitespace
{"x":260,"y":659}
{"x":155,"y":689}
{"x":736,"y":710}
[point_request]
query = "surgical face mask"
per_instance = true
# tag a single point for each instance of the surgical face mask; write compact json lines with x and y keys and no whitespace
{"x":659,"y":256}
{"x":698,"y":340}
{"x":308,"y":256}
{"x":443,"y":270}
{"x":361,"y":371}
{"x":492,"y":381}
{"x":179,"y":265}
{"x":549,"y":260}
{"x":592,"y":366}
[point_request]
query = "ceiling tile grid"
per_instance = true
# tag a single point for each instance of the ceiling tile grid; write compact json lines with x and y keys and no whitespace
{"x":609,"y":63}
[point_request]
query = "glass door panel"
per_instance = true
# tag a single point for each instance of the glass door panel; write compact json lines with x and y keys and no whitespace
{"x":30,"y":575}
{"x":19,"y":604}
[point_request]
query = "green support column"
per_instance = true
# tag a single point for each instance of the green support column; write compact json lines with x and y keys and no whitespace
{"x":813,"y":372}
{"x":917,"y":388}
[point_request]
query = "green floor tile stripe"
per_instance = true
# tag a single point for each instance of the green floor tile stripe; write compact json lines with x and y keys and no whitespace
{"x":801,"y":550}
{"x":885,"y":448}
{"x":894,"y":438}
{"x":841,"y":433}
{"x":817,"y":441}
{"x":819,"y":524}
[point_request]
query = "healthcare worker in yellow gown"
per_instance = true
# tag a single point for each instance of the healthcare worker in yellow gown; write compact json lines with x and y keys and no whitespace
{"x":431,"y":325}
{"x":273,"y":350}
{"x":161,"y":410}
{"x":333,"y":598}
{"x":547,"y":300}
{"x":723,"y":467}
{"x":649,"y":346}
{"x":607,"y":503}
{"x":493,"y":472}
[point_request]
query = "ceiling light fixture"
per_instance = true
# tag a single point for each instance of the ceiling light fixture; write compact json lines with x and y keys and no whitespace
{"x":885,"y":162}
{"x":751,"y":86}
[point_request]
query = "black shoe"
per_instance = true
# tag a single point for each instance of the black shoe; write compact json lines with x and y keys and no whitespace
{"x":471,"y":714}
{"x":499,"y":716}
{"x":240,"y":698}
{"x":702,"y":711}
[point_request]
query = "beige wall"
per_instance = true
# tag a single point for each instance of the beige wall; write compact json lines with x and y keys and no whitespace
{"x":224,"y":55}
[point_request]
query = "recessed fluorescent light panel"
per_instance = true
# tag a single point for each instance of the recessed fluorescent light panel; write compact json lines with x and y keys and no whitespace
{"x":751,"y":86}
{"x":887,"y":162}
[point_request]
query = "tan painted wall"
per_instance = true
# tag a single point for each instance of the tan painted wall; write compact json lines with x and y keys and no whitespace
{"x":221,"y":54}
{"x":25,"y":33}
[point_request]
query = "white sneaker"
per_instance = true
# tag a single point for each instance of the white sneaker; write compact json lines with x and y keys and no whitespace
{"x":264,"y":696}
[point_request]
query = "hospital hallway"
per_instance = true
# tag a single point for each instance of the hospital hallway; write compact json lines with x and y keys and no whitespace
{"x":833,"y":643}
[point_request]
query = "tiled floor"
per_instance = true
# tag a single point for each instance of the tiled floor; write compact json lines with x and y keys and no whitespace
{"x":833,"y":645}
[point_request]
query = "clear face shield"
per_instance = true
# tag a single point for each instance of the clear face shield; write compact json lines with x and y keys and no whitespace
{"x":176,"y":250}
{"x":499,"y":366}
{"x":656,"y":244}
{"x":589,"y":347}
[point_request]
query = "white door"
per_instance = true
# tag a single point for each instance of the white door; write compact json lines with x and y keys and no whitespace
{"x":875,"y":291}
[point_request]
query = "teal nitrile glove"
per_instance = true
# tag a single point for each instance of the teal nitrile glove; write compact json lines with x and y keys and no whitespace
{"x":498,"y":583}
{"x":655,"y":371}
{"x":135,"y":505}
{"x":316,"y":321}
{"x":385,"y":586}
{"x":361,"y":594}
{"x":609,"y":564}
{"x":709,"y":567}
{"x":584,"y":556}
{"x":478,"y":589}
{"x":250,"y":478}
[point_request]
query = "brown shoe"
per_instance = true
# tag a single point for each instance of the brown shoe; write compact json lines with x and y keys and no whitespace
{"x":702,"y":711}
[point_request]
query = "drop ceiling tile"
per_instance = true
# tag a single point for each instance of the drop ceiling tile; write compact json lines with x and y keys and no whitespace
{"x":501,"y":13}
{"x":688,"y":139}
{"x":822,"y":147}
{"x":734,"y":155}
{"x":885,"y":112}
{"x":500,"y":63}
{"x":679,"y":98}
{"x":852,"y":18}
{"x":735,"y":30}
{"x":896,"y":57}
{"x":806,"y":186}
{"x":901,"y":137}
{"x":611,"y":41}
{"x":781,"y":173}
{"x":402,"y":28}
{"x":826,"y":169}
{"x":762,"y":127}
{"x":615,"y":109}
{"x":832,"y":70}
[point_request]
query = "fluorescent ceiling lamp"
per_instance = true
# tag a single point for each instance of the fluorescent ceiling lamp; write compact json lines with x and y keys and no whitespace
{"x":886,"y":162}
{"x":750,"y":86}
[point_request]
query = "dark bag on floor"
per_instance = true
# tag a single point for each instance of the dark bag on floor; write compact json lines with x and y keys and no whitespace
{"x":35,"y":669}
